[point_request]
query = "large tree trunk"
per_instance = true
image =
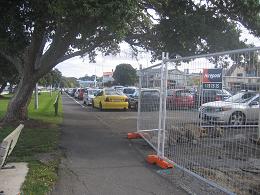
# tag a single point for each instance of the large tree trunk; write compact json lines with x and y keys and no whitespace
{"x":17,"y":109}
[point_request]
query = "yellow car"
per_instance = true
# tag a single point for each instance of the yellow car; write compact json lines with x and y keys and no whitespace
{"x":110,"y":99}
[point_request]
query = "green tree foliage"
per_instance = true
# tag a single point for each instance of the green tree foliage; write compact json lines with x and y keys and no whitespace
{"x":125,"y":74}
{"x":91,"y":78}
{"x":247,"y":12}
{"x":187,"y":28}
{"x":53,"y":78}
{"x":69,"y":82}
{"x":8,"y":73}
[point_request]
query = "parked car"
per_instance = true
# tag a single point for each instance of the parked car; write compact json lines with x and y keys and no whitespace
{"x":211,"y":96}
{"x":118,"y":87}
{"x":109,"y":98}
{"x":239,"y":109}
{"x":79,"y":93}
{"x":89,"y":95}
{"x":72,"y":91}
{"x":150,"y":99}
{"x":129,"y":91}
{"x":179,"y":98}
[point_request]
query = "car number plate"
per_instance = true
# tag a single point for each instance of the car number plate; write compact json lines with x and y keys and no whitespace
{"x":116,"y":100}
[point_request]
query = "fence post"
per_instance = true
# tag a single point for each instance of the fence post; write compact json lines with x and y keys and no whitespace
{"x":139,"y":98}
{"x":258,"y":133}
{"x":162,"y":113}
{"x":56,"y":104}
{"x":165,"y":82}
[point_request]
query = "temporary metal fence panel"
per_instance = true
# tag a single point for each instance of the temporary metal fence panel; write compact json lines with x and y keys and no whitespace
{"x":149,"y":105}
{"x":205,"y":118}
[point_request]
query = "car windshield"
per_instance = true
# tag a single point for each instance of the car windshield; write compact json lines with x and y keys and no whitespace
{"x":113,"y":92}
{"x":129,"y":90}
{"x":136,"y":94}
{"x":240,"y":97}
{"x":92,"y":92}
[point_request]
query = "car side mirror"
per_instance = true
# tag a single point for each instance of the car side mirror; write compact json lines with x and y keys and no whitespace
{"x":254,"y":103}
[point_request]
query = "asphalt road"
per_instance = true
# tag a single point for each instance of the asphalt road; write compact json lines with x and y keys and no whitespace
{"x":100,"y":160}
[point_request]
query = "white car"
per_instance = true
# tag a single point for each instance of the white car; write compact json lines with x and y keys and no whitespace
{"x":89,"y":95}
{"x":239,"y":109}
{"x":118,"y":87}
{"x":76,"y":94}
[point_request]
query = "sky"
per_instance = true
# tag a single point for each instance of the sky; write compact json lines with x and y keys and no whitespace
{"x":79,"y":67}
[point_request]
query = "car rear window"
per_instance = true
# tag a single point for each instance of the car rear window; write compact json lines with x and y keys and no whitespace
{"x":112,"y":92}
{"x":129,"y":90}
{"x":150,"y":94}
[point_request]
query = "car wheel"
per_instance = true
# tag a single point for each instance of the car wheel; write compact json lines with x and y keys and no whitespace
{"x":84,"y":102}
{"x":93,"y":106}
{"x":237,"y":118}
{"x":100,"y":106}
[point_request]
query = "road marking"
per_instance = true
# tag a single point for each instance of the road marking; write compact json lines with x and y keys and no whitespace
{"x":76,"y":101}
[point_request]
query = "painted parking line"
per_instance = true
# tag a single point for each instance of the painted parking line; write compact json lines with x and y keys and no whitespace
{"x":76,"y":101}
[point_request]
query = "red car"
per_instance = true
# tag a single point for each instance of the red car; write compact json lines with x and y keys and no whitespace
{"x":79,"y":93}
{"x":180,"y":98}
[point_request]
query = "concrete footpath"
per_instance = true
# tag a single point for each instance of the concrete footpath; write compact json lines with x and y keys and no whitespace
{"x":98,"y":159}
{"x":12,"y":179}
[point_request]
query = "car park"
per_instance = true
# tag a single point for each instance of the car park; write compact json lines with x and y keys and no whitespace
{"x":179,"y":98}
{"x":110,"y":98}
{"x":89,"y":95}
{"x":239,"y":109}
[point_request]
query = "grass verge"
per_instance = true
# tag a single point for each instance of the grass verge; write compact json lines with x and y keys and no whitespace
{"x":38,"y":144}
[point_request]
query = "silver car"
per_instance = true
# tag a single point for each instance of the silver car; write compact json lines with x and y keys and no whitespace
{"x":89,"y":95}
{"x":239,"y":109}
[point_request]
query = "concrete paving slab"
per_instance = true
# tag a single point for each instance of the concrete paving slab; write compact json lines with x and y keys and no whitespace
{"x":12,"y":179}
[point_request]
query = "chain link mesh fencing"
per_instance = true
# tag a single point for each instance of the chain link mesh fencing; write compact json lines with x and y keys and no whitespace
{"x":209,"y":130}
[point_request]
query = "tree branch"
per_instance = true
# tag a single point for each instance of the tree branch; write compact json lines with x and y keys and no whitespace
{"x":57,"y":49}
{"x":15,"y":61}
{"x":71,"y":55}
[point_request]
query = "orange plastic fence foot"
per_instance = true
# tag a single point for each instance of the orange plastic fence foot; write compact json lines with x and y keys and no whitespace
{"x":154,"y":159}
{"x":133,"y":136}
